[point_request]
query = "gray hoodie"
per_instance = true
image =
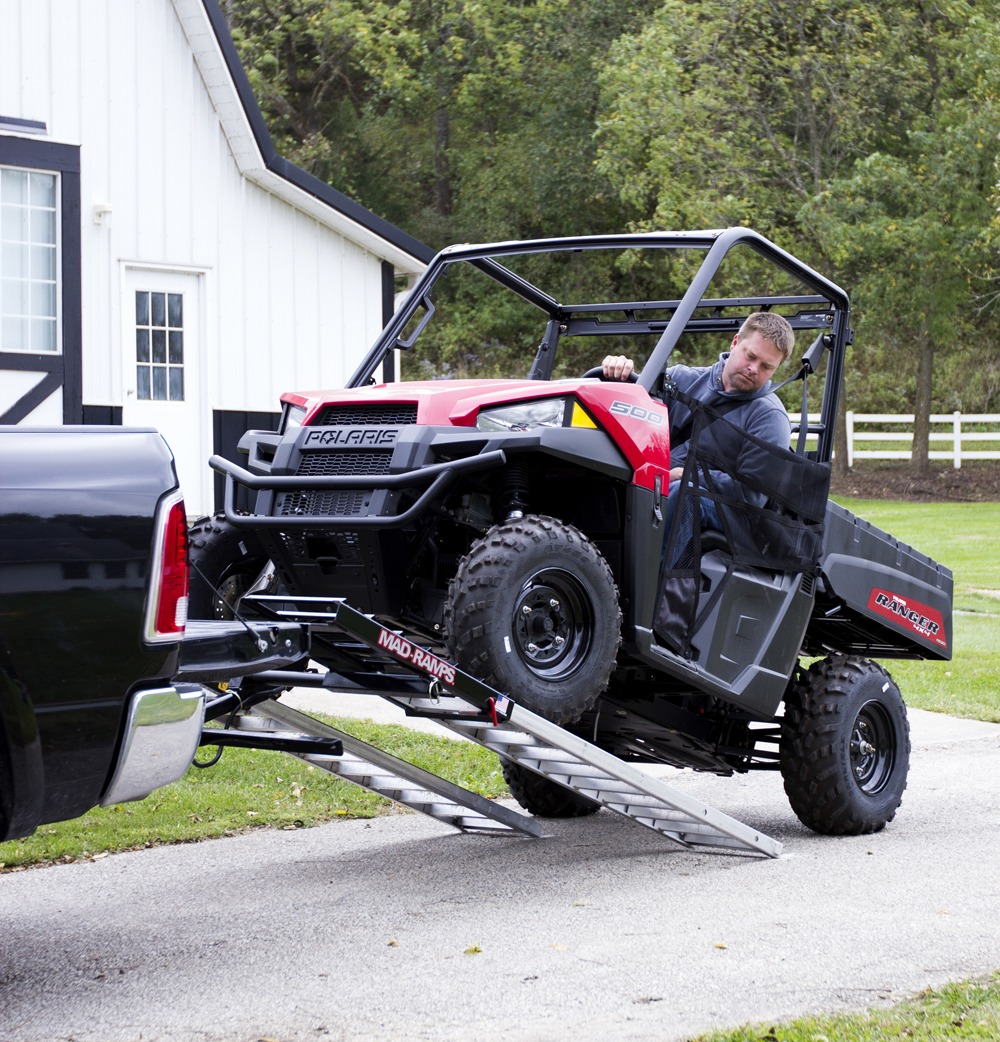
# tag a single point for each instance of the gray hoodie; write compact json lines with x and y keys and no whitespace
{"x":762,"y":415}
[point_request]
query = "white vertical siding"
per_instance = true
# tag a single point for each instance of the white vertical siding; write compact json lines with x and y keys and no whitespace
{"x":291,"y":302}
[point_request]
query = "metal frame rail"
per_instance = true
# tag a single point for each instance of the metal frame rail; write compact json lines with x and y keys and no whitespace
{"x":384,"y":664}
{"x":384,"y":774}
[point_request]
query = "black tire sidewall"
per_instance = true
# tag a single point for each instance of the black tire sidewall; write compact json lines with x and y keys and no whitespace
{"x":816,"y":763}
{"x":217,"y":551}
{"x":481,"y":606}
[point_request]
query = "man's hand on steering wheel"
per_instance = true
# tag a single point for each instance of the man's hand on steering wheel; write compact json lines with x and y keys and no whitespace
{"x":615,"y":367}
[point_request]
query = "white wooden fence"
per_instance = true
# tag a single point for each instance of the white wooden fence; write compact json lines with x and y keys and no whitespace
{"x":957,"y":436}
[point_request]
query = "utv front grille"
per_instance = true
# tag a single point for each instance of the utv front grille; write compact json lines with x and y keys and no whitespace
{"x":323,"y":504}
{"x":366,"y":414}
{"x":329,"y":463}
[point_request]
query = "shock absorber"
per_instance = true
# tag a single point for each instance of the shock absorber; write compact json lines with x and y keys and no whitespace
{"x":516,"y":490}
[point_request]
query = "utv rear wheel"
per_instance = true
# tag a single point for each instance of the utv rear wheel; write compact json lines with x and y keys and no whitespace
{"x":544,"y":798}
{"x":845,"y":747}
{"x":533,"y":611}
{"x":226,"y":562}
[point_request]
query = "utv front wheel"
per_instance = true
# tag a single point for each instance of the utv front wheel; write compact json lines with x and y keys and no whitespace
{"x":225,"y":563}
{"x":533,"y":611}
{"x":845,"y":747}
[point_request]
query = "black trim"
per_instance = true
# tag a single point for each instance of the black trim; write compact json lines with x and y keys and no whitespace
{"x":102,"y":415}
{"x":293,"y":174}
{"x":388,"y":308}
{"x":23,"y":126}
{"x":24,"y":362}
{"x":27,"y":403}
{"x":228,"y":427}
{"x":66,"y":368}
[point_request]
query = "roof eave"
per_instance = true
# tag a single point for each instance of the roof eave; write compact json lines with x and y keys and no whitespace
{"x":255,"y":155}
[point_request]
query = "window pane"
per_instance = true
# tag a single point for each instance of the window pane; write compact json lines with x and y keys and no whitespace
{"x":43,"y":190}
{"x":175,"y":310}
{"x":176,"y":384}
{"x":43,"y":334}
{"x":13,"y":261}
{"x":13,"y":184}
{"x":14,"y":223}
{"x":158,"y":304}
{"x":159,"y":346}
{"x":43,"y":299}
{"x":43,"y":225}
{"x":159,"y":384}
{"x":15,"y":333}
{"x":43,"y":262}
{"x":142,"y":388}
{"x":176,"y":347}
{"x":142,"y":309}
{"x":142,"y":345}
{"x":14,"y":296}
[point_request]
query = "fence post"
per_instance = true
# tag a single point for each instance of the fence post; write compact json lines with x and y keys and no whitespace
{"x":850,"y":439}
{"x":957,"y":429}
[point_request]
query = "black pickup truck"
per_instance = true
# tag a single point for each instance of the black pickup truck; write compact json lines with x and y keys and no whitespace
{"x":99,"y":704}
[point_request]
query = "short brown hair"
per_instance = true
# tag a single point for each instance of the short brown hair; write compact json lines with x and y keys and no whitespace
{"x":773,"y":328}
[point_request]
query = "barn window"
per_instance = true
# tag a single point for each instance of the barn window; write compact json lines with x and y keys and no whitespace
{"x":29,"y":243}
{"x":159,"y":346}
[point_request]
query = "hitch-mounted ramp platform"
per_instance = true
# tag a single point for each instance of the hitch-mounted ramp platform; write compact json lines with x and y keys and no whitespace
{"x":375,"y":659}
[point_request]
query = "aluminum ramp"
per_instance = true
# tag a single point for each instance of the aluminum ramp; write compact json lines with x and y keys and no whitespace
{"x":382,"y":773}
{"x":472,"y":709}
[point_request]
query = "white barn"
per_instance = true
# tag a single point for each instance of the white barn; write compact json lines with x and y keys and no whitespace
{"x":160,"y":264}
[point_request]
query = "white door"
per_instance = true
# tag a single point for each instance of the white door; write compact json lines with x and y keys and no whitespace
{"x":163,"y":342}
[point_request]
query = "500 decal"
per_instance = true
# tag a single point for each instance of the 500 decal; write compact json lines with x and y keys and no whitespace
{"x":637,"y":412}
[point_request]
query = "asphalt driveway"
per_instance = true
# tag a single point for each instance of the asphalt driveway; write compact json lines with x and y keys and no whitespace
{"x":401,"y":929}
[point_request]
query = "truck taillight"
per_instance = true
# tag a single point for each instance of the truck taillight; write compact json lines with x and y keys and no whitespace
{"x":166,"y":612}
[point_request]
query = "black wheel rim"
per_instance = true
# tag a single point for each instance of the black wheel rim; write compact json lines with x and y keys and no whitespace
{"x":231,"y":590}
{"x":873,"y":748}
{"x":553,"y":623}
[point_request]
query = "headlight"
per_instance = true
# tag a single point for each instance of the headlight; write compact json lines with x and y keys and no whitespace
{"x":293,"y":417}
{"x":540,"y":412}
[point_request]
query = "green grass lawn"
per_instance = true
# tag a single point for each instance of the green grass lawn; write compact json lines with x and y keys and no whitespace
{"x":962,"y":536}
{"x":965,"y":1012}
{"x":251,"y":789}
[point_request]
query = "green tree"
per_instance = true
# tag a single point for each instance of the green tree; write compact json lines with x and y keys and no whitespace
{"x":728,"y":112}
{"x":913,"y":229}
{"x":857,"y":135}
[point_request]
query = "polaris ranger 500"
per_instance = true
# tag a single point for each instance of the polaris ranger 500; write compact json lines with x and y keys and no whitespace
{"x":513,"y":522}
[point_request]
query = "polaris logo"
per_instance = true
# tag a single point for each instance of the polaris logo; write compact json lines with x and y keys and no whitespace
{"x":921,"y":619}
{"x":350,"y":436}
{"x":416,"y":656}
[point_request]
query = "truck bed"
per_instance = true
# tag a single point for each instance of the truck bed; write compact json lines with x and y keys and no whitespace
{"x":877,"y":596}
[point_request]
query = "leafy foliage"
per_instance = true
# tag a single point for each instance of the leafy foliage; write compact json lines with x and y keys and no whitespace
{"x":861,"y":136}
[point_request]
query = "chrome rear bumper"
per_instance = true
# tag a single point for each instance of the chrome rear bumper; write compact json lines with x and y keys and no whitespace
{"x":162,"y":732}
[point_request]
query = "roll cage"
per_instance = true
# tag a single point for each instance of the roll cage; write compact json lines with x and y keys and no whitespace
{"x":823,"y":306}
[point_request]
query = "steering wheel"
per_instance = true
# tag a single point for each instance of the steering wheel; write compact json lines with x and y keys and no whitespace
{"x":598,"y":371}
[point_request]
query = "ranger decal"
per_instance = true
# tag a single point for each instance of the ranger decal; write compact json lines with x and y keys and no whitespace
{"x":924,"y":621}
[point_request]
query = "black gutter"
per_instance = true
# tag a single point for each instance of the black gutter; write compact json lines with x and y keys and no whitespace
{"x":289,"y":171}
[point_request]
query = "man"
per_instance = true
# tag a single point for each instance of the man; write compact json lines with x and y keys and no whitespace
{"x":741,"y":376}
